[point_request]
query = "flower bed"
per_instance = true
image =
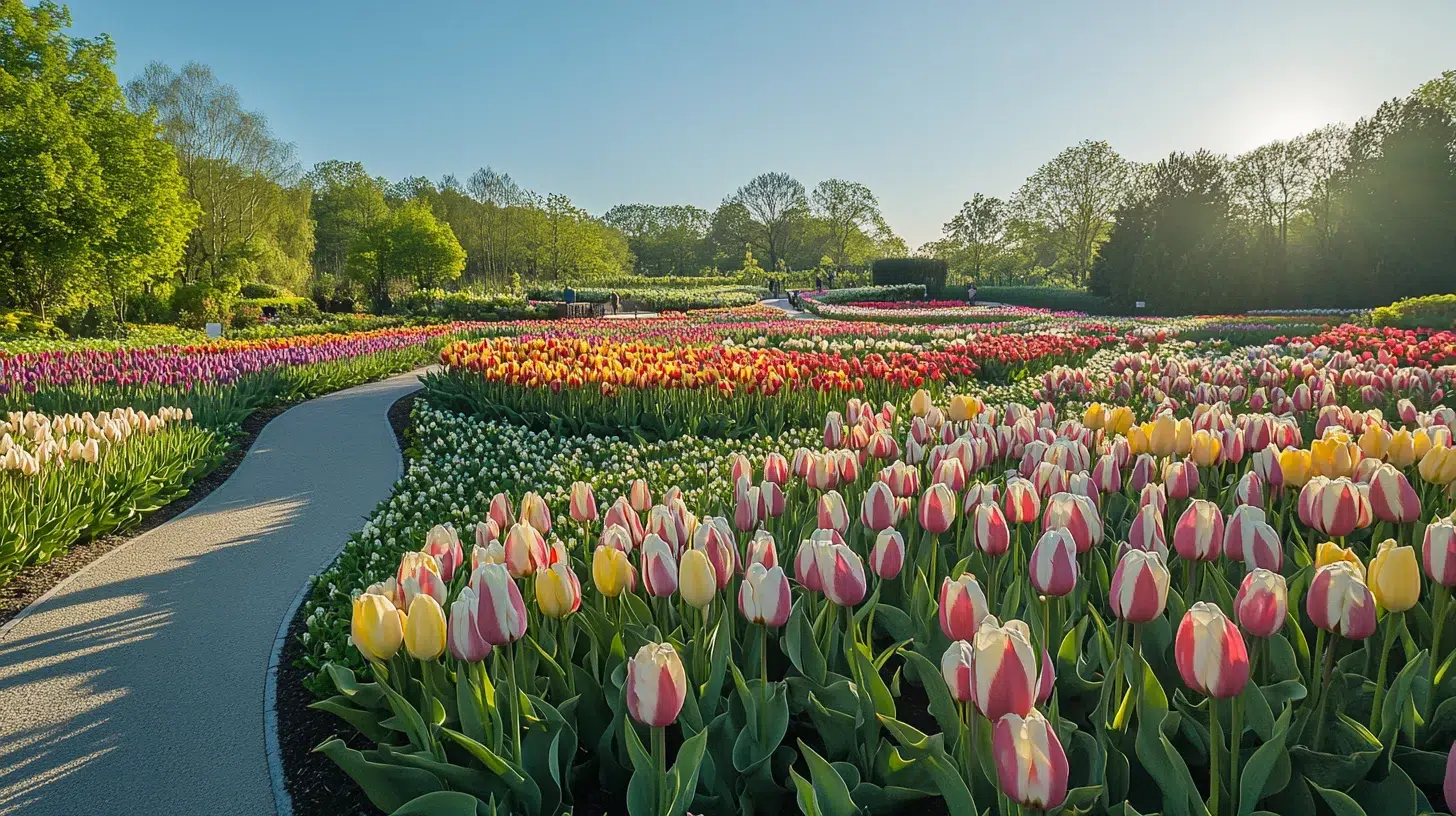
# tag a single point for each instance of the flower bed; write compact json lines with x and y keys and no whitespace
{"x":1169,"y":578}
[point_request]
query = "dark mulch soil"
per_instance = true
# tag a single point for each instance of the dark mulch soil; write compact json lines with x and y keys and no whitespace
{"x":314,"y":782}
{"x":35,"y":581}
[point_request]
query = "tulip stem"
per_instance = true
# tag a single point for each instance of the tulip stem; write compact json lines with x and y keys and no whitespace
{"x":659,"y":754}
{"x":763,"y":678}
{"x":1235,"y":737}
{"x":515,"y":693}
{"x":1441,"y":597}
{"x":1319,"y":727}
{"x":1215,"y":747}
{"x":1385,"y":638}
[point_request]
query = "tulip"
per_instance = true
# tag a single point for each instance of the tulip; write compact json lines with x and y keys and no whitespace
{"x":1210,"y":652}
{"x":951,"y":473}
{"x":1438,"y":466}
{"x":500,"y":614}
{"x":1205,"y":449}
{"x":535,"y":512}
{"x":696,"y":579}
{"x":639,"y":496}
{"x":1374,"y":442}
{"x":1198,"y":535}
{"x":888,"y":555}
{"x":1339,"y":601}
{"x":747,"y":505}
{"x":776,"y":469}
{"x":715,"y":538}
{"x":1153,"y":495}
{"x":989,"y":530}
{"x":1146,"y":532}
{"x":1142,"y":472}
{"x":1106,"y":474}
{"x":1250,"y":490}
{"x":833,"y":430}
{"x":1401,"y":451}
{"x":1095,"y":416}
{"x":466,"y":644}
{"x":583,"y":507}
{"x":659,"y":567}
{"x":525,"y":549}
{"x":1054,"y":563}
{"x":937,"y":509}
{"x":771,"y":501}
{"x":1119,"y":420}
{"x":956,"y":667}
{"x":1295,"y":467}
{"x":806,"y":564}
{"x":486,"y":532}
{"x":1395,"y":577}
{"x":376,"y":627}
{"x":494,"y":553}
{"x":877,"y":510}
{"x":1020,"y":501}
{"x":656,"y":685}
{"x":1139,"y":590}
{"x":1180,"y":479}
{"x":1262,"y":603}
{"x":1048,"y":681}
{"x":1077,"y":515}
{"x":1328,"y":552}
{"x":424,"y":629}
{"x":833,"y":515}
{"x":762,"y":550}
{"x":1004,"y":679}
{"x":418,"y":573}
{"x":763,"y":597}
{"x":1049,"y":478}
{"x":1333,"y":458}
{"x":841,"y":573}
{"x":611,"y":571}
{"x":621,"y":515}
{"x":920,"y":403}
{"x":443,"y":543}
{"x":501,"y":511}
{"x":979,"y":493}
{"x":1249,"y":538}
{"x":962,"y":607}
{"x":739,"y":468}
{"x":1030,"y":763}
{"x":1448,"y":788}
{"x":558,"y":590}
{"x":1335,"y":507}
{"x":616,"y":537}
{"x":1438,"y":552}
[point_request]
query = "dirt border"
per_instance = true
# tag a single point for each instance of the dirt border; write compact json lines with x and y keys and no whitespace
{"x":35,"y":581}
{"x":316,"y":786}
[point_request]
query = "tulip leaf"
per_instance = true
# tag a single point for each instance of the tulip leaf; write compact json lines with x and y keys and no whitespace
{"x":1258,"y":717}
{"x":830,"y":791}
{"x":1339,"y":803}
{"x":367,"y":695}
{"x":365,"y":722}
{"x":930,"y":752}
{"x":1423,"y":767}
{"x":1157,"y":754}
{"x":1397,"y":699}
{"x":722,"y":650}
{"x":1079,"y":801}
{"x":942,"y":707}
{"x":803,"y":649}
{"x":389,"y":786}
{"x":439,"y":803}
{"x":872,"y":798}
{"x":682,"y":778}
{"x":1349,"y":751}
{"x":461,"y":778}
{"x":408,"y":718}
{"x":1261,"y":763}
{"x":1395,"y":795}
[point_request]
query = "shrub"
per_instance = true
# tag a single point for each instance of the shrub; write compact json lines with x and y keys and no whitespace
{"x":253,"y":291}
{"x":881,"y":294}
{"x":198,"y":304}
{"x":1056,"y":298}
{"x":437,"y":303}
{"x":928,"y":271}
{"x":289,"y":308}
{"x":23,"y":322}
{"x":1429,"y":312}
{"x":148,"y":307}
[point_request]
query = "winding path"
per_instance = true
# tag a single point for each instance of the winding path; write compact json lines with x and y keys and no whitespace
{"x":136,"y":687}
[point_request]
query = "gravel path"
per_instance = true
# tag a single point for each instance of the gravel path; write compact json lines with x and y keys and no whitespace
{"x":137,"y":686}
{"x":782,"y":304}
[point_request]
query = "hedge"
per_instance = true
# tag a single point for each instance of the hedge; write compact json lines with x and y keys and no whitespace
{"x":1429,"y":312}
{"x":657,"y":299}
{"x":438,"y":303}
{"x":1058,"y":299}
{"x":288,"y":306}
{"x":928,"y":271}
{"x":253,"y":291}
{"x":880,"y":294}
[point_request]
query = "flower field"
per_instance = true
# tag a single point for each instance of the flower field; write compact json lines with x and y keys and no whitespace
{"x":728,"y":564}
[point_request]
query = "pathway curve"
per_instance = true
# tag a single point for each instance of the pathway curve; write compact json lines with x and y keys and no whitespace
{"x":137,"y":688}
{"x":782,"y":304}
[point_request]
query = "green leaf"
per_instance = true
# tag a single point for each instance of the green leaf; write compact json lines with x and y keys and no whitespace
{"x":803,"y":650}
{"x":1397,"y":700}
{"x":930,"y":752}
{"x":1261,"y":763}
{"x":942,"y":707}
{"x":367,"y":695}
{"x":439,"y":803}
{"x":1395,"y":795}
{"x":389,"y":786}
{"x":830,"y":793}
{"x":365,"y":722}
{"x":682,"y":778}
{"x":1157,"y":754}
{"x":1339,"y":803}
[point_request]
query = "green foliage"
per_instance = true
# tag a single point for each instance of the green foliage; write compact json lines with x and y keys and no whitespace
{"x":884,"y":294}
{"x":249,"y":311}
{"x":1431,"y":311}
{"x":1056,"y":298}
{"x":17,"y":321}
{"x":929,"y":272}
{"x":437,"y":303}
{"x":263,"y":290}
{"x":657,"y":299}
{"x":410,"y":245}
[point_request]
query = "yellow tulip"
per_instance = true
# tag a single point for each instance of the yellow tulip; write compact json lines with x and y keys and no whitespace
{"x":1421,"y":443}
{"x":1205,"y":449}
{"x":1332,"y":458}
{"x":1183,"y":439}
{"x":1095,"y":417}
{"x":424,"y":628}
{"x":558,"y":592}
{"x":611,"y":572}
{"x":696,"y":580}
{"x":1401,"y":451}
{"x":963,"y":407}
{"x":1119,"y":420}
{"x":1328,"y":552}
{"x":1395,"y":577}
{"x":920,"y":403}
{"x":376,"y":628}
{"x":1374,"y":442}
{"x":1162,"y":435}
{"x":1296,"y":466}
{"x":1438,"y":466}
{"x":1137,"y":440}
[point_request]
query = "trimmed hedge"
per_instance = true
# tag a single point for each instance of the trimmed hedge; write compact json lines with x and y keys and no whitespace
{"x":882,"y":294}
{"x":288,"y":306}
{"x":930,"y":272}
{"x":1429,"y":312}
{"x":657,"y":299}
{"x":437,"y":303}
{"x":252,"y":291}
{"x":1056,"y":298}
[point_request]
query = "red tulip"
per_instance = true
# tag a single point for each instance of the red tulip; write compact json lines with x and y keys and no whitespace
{"x":1146,"y":532}
{"x":1107,"y":475}
{"x":1020,"y":501}
{"x":1030,"y":763}
{"x":659,"y":566}
{"x":771,"y":501}
{"x":989,"y":530}
{"x":1054,"y":563}
{"x":444,"y":545}
{"x":763,"y":550}
{"x":1180,"y":479}
{"x":656,"y":685}
{"x":962,"y":607}
{"x":501,"y":511}
{"x":1004,"y":675}
{"x":1077,"y":515}
{"x":776,"y":469}
{"x":1438,"y":552}
{"x":1198,"y":535}
{"x":621,"y":514}
{"x":639,"y":495}
{"x":500,"y":613}
{"x":1262,"y":603}
{"x":833,"y":515}
{"x":1339,"y":601}
{"x":763,"y":597}
{"x":583,"y":503}
{"x":937,"y":509}
{"x":877,"y":510}
{"x":1249,"y":538}
{"x":841,"y":572}
{"x":1392,"y":498}
{"x":462,"y":633}
{"x":1210,"y":652}
{"x":1139,"y":591}
{"x":1250,"y":490}
{"x":888,"y":555}
{"x":956,"y":668}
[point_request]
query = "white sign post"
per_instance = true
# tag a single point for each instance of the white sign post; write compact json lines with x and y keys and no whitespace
{"x":1140,"y":304}
{"x":214,"y":330}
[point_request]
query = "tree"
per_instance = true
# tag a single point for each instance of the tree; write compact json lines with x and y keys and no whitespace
{"x":1073,"y":196}
{"x":776,"y":204}
{"x":978,"y":231}
{"x":87,"y":197}
{"x":850,"y":211}
{"x":664,"y":240}
{"x":1440,"y":93}
{"x":347,"y":202}
{"x":410,"y":245}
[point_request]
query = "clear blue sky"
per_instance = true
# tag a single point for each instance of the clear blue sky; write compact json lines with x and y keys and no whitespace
{"x":681,"y":102}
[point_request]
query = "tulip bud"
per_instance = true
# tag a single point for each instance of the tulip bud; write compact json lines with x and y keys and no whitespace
{"x":500,"y":613}
{"x":806,"y":564}
{"x":583,"y":506}
{"x":833,"y":515}
{"x":1077,"y":515}
{"x":1020,"y":501}
{"x":962,"y":607}
{"x":1162,"y":435}
{"x":656,"y":685}
{"x":1210,"y":652}
{"x":418,"y":573}
{"x":611,"y":571}
{"x":888,"y":556}
{"x":951,"y":473}
{"x":535,"y":512}
{"x":978,"y":493}
{"x":639,"y":496}
{"x":1146,"y":533}
{"x":833,"y":430}
{"x":1004,"y":675}
{"x":841,"y":573}
{"x":776,"y":469}
{"x":1438,"y":551}
{"x":1030,"y":763}
{"x":1250,"y":490}
{"x":525,"y":549}
{"x":466,"y":644}
{"x":920,"y":403}
{"x":1198,"y":535}
{"x":1339,"y":601}
{"x":621,"y":515}
{"x":1180,"y":479}
{"x":376,"y":627}
{"x":937,"y":509}
{"x":501,"y":511}
{"x":1395,"y":577}
{"x":1095,"y":416}
{"x":989,"y":530}
{"x":1054,"y":563}
{"x":747,"y":504}
{"x":1295,"y":466}
{"x":1262,"y":603}
{"x":1153,"y":495}
{"x":444,"y":545}
{"x":763,"y":550}
{"x":1438,"y":466}
{"x":659,"y":567}
{"x":1205,"y":449}
{"x":1335,"y":507}
{"x":956,"y":667}
{"x":1249,"y":538}
{"x":1142,"y":472}
{"x":763,"y":597}
{"x":1107,"y":475}
{"x":1139,"y":589}
{"x":715,"y":538}
{"x":771,"y":501}
{"x":696,"y":579}
{"x":424,"y":629}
